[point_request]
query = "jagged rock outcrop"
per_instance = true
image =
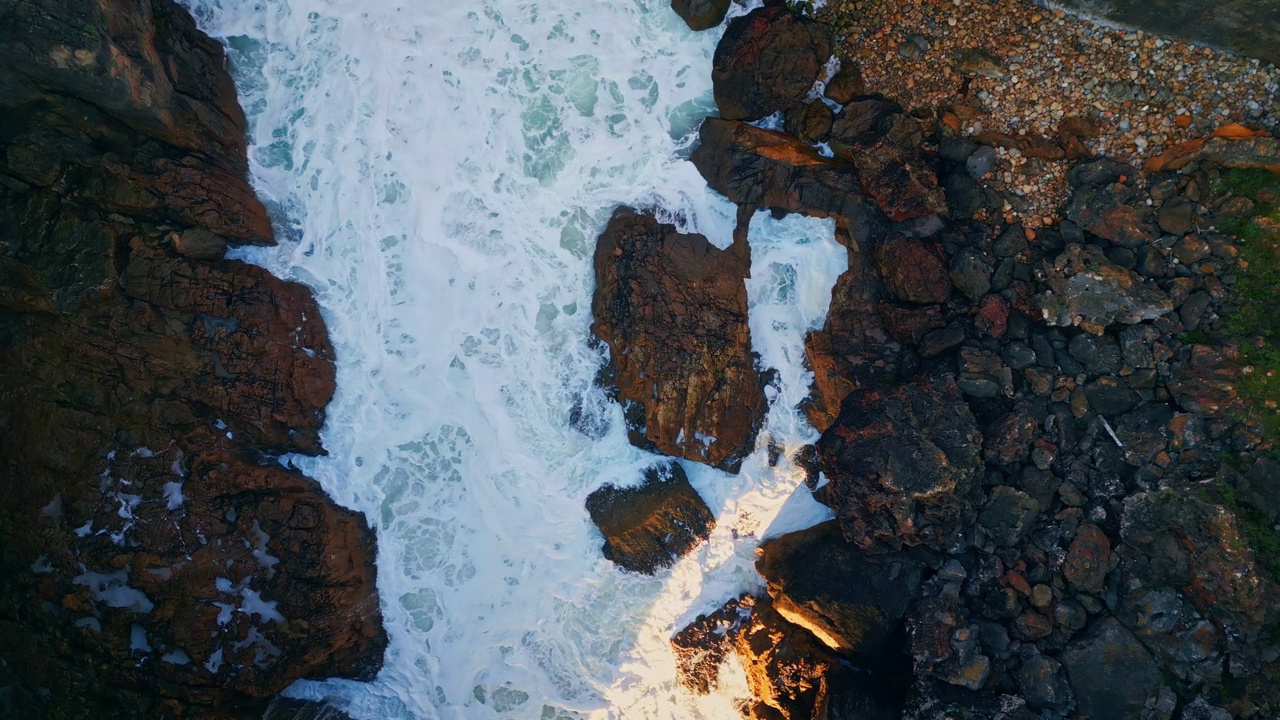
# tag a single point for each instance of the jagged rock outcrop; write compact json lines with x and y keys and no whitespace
{"x":672,"y":309}
{"x":157,"y":560}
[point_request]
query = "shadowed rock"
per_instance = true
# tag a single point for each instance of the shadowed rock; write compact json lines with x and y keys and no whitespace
{"x":701,"y":14}
{"x":902,"y":463}
{"x":850,"y":600}
{"x":651,"y":526}
{"x":1093,"y":665}
{"x":673,"y":310}
{"x":767,"y":61}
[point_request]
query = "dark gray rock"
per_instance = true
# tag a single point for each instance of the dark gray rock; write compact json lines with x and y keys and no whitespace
{"x":983,"y":374}
{"x":701,"y":14}
{"x":1093,"y":665}
{"x":971,"y":273}
{"x":648,"y":527}
{"x":1083,"y":287}
{"x":1044,"y":684}
{"x":1009,"y":515}
{"x":1109,"y":396}
{"x":1177,"y":216}
{"x":1098,"y":354}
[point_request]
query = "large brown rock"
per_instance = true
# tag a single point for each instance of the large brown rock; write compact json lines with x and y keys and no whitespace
{"x":673,"y":310}
{"x":157,"y":561}
{"x":902,"y":463}
{"x":767,"y":61}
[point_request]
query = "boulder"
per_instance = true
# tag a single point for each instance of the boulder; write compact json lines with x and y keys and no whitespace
{"x":848,"y":599}
{"x":767,"y":61}
{"x":1082,"y":287}
{"x":701,"y":14}
{"x":902,"y":462}
{"x":1204,"y":380}
{"x":672,"y":309}
{"x":649,"y":527}
{"x":1009,"y":515}
{"x":788,"y":671}
{"x":702,"y":646}
{"x":1092,"y":664}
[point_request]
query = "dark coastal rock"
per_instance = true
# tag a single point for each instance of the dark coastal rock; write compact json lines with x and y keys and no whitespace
{"x":913,"y":270}
{"x":1083,"y":287}
{"x":788,"y":670}
{"x":851,"y":346}
{"x":701,"y":14}
{"x":767,"y":61}
{"x":1173,"y":539}
{"x":1113,"y":211}
{"x":158,"y":561}
{"x":848,"y":599}
{"x":649,"y":527}
{"x":673,"y":310}
{"x":1008,"y":515}
{"x":1092,"y":663}
{"x":1088,"y":559}
{"x":811,"y":122}
{"x":769,"y":170}
{"x":902,"y":462}
{"x":884,"y":143}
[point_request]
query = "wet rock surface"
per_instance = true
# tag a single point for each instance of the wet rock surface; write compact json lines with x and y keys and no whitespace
{"x":767,"y":61}
{"x":158,"y":560}
{"x":649,"y":527}
{"x":672,"y":309}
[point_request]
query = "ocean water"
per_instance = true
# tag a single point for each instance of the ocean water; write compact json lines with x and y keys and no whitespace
{"x":439,"y":172}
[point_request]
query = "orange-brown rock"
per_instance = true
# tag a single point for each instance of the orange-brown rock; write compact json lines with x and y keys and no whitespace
{"x":673,"y":310}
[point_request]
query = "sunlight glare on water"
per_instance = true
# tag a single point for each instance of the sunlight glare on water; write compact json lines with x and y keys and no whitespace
{"x":439,"y":172}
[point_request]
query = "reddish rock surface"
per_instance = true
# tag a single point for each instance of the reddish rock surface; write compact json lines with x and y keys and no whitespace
{"x":767,"y":61}
{"x":913,"y":270}
{"x":673,"y":310}
{"x":157,"y":560}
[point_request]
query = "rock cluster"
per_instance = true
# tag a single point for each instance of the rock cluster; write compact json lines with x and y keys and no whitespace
{"x":158,"y":561}
{"x":1017,"y":427}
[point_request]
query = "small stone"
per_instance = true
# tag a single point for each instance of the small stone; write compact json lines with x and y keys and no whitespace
{"x":1088,"y":559}
{"x":1041,"y":596}
{"x":1009,"y":515}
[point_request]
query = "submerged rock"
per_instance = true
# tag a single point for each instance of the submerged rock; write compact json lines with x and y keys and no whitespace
{"x":672,"y":309}
{"x":649,"y":527}
{"x":767,"y":61}
{"x":902,"y":462}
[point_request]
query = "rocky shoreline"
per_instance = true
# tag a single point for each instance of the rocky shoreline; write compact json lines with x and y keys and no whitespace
{"x":1048,"y":445}
{"x":157,"y":560}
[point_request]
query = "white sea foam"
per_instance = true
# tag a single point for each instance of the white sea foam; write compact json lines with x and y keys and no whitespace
{"x":441,"y":171}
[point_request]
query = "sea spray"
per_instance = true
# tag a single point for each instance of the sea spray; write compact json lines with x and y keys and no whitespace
{"x":440,"y":172}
